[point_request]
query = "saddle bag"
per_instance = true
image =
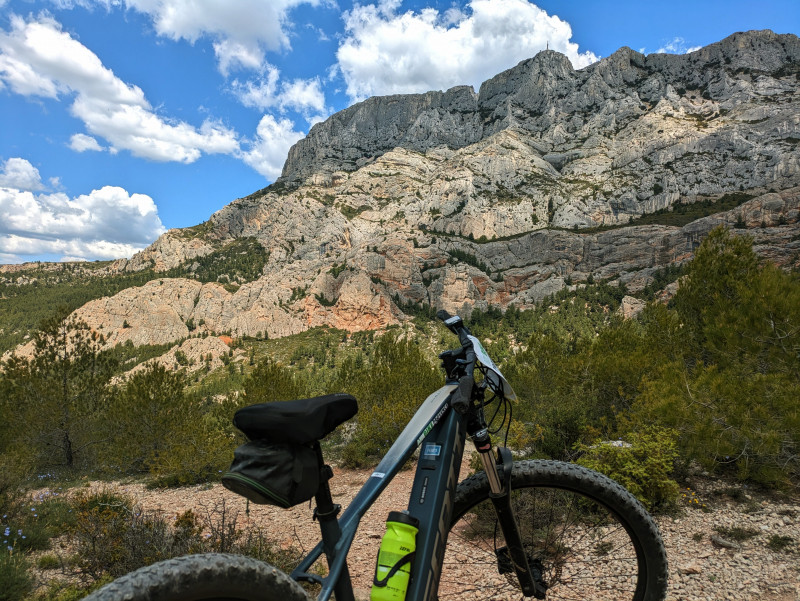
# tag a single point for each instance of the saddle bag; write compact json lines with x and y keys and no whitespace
{"x":283,"y":474}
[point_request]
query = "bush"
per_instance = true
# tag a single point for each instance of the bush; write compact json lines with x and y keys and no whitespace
{"x":48,"y":562}
{"x":27,"y":525}
{"x":729,"y":419}
{"x":643,"y":464}
{"x":113,"y":536}
{"x":728,"y":383}
{"x":157,"y":427}
{"x":781,"y":543}
{"x":389,"y":390}
{"x":16,"y":580}
{"x":56,"y":513}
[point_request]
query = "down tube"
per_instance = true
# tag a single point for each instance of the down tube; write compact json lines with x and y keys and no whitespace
{"x":435,"y":407}
{"x":431,"y":502}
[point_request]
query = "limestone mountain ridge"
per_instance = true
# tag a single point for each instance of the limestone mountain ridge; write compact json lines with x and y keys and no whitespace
{"x":545,"y":177}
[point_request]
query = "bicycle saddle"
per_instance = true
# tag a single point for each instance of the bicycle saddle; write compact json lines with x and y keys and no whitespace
{"x":301,"y":421}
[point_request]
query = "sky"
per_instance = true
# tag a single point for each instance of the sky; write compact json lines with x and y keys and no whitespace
{"x":120,"y":119}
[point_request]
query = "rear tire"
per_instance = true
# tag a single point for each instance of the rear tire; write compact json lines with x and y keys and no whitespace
{"x":588,"y":538}
{"x":203,"y":577}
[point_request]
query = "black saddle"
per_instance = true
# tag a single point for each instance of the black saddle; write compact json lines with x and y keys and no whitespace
{"x":301,"y":421}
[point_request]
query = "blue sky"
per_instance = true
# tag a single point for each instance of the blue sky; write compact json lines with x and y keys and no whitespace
{"x":120,"y":119}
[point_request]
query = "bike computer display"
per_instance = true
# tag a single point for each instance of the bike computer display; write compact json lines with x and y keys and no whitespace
{"x":496,"y":380}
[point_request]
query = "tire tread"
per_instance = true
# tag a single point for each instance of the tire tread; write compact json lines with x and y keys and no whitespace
{"x":203,"y":576}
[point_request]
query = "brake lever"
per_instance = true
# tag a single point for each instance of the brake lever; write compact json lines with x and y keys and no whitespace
{"x":450,"y":364}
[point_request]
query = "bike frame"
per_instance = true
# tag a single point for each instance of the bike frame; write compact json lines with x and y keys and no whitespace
{"x":441,"y":431}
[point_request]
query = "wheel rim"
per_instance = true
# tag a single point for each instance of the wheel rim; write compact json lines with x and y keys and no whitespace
{"x":581,"y":548}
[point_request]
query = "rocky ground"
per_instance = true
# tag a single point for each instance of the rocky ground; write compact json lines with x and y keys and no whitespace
{"x":727,"y":542}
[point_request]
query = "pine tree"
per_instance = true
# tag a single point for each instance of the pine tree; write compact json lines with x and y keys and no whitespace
{"x":732,"y":392}
{"x":60,"y":391}
{"x":270,"y":381}
{"x":146,"y":415}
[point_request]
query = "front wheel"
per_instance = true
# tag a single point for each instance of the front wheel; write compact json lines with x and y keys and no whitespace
{"x":204,"y":577}
{"x":585,"y":537}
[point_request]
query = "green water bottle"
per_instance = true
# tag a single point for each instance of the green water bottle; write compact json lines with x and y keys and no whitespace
{"x":395,"y":558}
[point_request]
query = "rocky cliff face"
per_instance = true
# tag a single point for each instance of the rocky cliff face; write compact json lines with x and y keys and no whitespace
{"x":364,"y":290}
{"x":457,"y":199}
{"x":627,"y":135}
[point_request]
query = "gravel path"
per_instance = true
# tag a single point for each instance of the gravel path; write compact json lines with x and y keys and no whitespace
{"x":741,"y":546}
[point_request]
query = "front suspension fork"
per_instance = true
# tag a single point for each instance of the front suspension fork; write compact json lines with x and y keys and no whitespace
{"x":500,"y":495}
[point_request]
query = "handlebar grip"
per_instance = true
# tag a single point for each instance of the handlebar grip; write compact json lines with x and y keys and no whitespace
{"x":463,"y":394}
{"x":443,"y":315}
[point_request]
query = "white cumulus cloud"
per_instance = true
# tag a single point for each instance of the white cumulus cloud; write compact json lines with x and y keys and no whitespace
{"x":82,"y":143}
{"x":677,"y":45}
{"x":104,"y":224}
{"x":387,"y":52}
{"x":20,"y":174}
{"x":267,"y":92}
{"x":273,"y":140}
{"x":38,"y":58}
{"x":241,"y":32}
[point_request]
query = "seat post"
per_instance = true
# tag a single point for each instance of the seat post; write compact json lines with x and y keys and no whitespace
{"x":326,"y":512}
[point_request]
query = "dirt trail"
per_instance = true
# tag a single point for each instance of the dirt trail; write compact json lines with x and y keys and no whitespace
{"x":700,"y":569}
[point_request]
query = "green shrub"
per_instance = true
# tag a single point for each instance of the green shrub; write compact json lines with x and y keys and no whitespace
{"x":113,"y":536}
{"x":781,"y":543}
{"x":156,"y":427}
{"x":737,"y":533}
{"x":63,"y":591}
{"x":48,"y":562}
{"x":729,"y":382}
{"x":643,"y":464}
{"x":25,"y":525}
{"x":15,"y":578}
{"x":56,"y":512}
{"x":729,"y":419}
{"x":389,"y":390}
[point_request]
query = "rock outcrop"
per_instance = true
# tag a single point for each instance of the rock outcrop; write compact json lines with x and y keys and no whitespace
{"x":370,"y":281}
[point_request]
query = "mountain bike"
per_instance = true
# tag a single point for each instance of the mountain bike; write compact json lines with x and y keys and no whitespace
{"x":517,"y":529}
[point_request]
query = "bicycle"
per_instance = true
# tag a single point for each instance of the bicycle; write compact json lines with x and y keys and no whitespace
{"x":535,"y":528}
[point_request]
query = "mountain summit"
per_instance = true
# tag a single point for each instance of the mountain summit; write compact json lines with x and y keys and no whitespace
{"x":546,"y":176}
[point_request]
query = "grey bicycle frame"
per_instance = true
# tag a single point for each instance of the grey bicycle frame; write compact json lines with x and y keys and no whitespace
{"x":441,"y":432}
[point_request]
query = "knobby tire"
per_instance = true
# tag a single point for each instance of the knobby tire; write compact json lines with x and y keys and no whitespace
{"x":203,"y":577}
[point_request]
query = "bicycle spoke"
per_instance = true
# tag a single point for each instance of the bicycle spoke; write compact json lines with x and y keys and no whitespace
{"x":580,"y":545}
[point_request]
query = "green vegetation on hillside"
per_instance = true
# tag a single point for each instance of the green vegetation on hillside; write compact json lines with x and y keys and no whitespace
{"x":682,"y":214}
{"x":24,"y":305}
{"x":85,"y":539}
{"x":729,"y":336}
{"x":720,"y":366}
{"x":676,"y":215}
{"x":27,"y":297}
{"x":239,"y":261}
